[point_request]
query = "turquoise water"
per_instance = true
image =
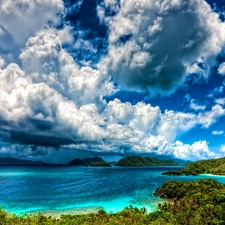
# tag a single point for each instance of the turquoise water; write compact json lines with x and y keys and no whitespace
{"x":29,"y":189}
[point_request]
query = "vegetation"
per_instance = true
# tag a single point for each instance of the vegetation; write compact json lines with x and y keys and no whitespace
{"x":94,"y":162}
{"x":210,"y":166}
{"x":100,"y":164}
{"x":191,"y":203}
{"x":127,"y":161}
{"x":144,"y":161}
{"x":201,"y":202}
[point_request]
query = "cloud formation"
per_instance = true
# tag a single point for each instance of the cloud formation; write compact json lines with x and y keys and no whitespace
{"x":156,"y":44}
{"x":218,"y":132}
{"x":221,"y":69}
{"x":48,"y":101}
{"x":21,"y":19}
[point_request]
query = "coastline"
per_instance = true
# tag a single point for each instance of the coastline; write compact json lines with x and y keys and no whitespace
{"x":150,"y":206}
{"x":75,"y":211}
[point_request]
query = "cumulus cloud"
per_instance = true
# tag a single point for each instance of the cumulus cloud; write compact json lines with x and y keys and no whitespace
{"x":45,"y":61}
{"x":222,"y":148}
{"x":212,"y":116}
{"x":198,"y":150}
{"x":221,"y":69}
{"x":194,"y":104}
{"x":21,"y":19}
{"x":142,"y":128}
{"x":217,"y":132}
{"x":220,"y":101}
{"x":156,"y":44}
{"x":217,"y":91}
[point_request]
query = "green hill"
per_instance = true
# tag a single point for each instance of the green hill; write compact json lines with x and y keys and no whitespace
{"x":144,"y":161}
{"x":94,"y":162}
{"x":100,"y":164}
{"x":210,"y":166}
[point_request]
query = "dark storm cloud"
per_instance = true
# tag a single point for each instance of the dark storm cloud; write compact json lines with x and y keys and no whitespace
{"x":30,"y":131}
{"x":167,"y":42}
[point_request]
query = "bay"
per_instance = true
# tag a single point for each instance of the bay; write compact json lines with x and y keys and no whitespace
{"x":31,"y":189}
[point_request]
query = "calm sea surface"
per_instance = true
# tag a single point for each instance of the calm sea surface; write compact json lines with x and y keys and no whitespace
{"x":29,"y":189}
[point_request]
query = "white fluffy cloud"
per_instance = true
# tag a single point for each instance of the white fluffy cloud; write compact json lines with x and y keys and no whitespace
{"x":156,"y":44}
{"x":198,"y":150}
{"x":196,"y":106}
{"x":20,"y":19}
{"x":222,"y":149}
{"x":217,"y":132}
{"x":221,"y":69}
{"x":212,"y":116}
{"x":46,"y":61}
{"x":220,"y":101}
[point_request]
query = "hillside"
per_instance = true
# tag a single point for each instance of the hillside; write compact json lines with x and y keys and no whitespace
{"x":94,"y":162}
{"x":144,"y":161}
{"x":210,"y":166}
{"x":100,"y":164}
{"x":163,"y":157}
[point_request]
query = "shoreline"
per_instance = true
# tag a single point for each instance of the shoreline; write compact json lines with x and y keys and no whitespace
{"x":58,"y":213}
{"x":86,"y":210}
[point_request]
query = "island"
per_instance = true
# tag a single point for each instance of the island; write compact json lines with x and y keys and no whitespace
{"x":144,"y":161}
{"x":209,"y":166}
{"x":10,"y":161}
{"x":89,"y":162}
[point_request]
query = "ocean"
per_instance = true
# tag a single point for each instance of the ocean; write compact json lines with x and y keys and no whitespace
{"x":32,"y":189}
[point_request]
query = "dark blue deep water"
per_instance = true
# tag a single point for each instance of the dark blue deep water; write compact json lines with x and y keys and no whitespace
{"x":29,"y":189}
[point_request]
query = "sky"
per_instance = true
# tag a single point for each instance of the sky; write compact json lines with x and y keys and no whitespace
{"x":112,"y":78}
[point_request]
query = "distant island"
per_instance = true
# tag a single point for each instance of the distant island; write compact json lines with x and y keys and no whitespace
{"x":16,"y":161}
{"x":11,"y":161}
{"x":93,"y":162}
{"x":127,"y":161}
{"x":209,"y":166}
{"x":144,"y":161}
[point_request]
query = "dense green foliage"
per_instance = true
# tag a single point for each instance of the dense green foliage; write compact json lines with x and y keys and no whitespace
{"x":144,"y":161}
{"x":100,"y":164}
{"x":210,"y":166}
{"x":199,"y":202}
{"x":126,"y":217}
{"x":95,"y":161}
{"x":190,"y":203}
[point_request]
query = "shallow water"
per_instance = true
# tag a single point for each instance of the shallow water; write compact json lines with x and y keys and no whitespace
{"x":30,"y":189}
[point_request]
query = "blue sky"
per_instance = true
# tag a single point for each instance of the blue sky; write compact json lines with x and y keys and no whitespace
{"x":110,"y":77}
